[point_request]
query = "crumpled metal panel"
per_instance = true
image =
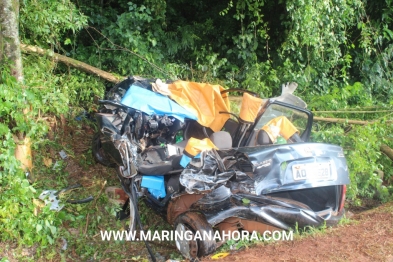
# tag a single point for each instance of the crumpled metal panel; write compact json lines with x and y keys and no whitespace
{"x":272,"y":169}
{"x":273,"y":166}
{"x":206,"y":178}
{"x":282,"y":213}
{"x":120,"y":148}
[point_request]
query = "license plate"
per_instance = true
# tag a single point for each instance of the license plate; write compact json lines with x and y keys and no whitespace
{"x":312,"y":171}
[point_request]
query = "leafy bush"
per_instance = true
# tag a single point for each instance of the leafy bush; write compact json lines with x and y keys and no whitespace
{"x":341,"y":98}
{"x":361,"y":143}
{"x":362,"y":150}
{"x":22,"y":110}
{"x":249,"y":44}
{"x":49,"y":23}
{"x":16,"y":194}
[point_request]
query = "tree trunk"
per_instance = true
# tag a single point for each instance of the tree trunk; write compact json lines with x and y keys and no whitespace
{"x":9,"y":36}
{"x":10,"y":53}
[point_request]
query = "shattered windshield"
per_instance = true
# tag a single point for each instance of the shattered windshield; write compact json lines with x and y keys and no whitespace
{"x":298,"y":118}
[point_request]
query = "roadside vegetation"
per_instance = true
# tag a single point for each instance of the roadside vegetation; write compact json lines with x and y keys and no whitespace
{"x":339,"y":52}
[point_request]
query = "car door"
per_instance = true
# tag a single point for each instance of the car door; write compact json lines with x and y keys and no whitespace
{"x":301,"y":118}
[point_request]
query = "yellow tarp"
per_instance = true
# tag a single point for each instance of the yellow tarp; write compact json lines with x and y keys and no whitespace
{"x":23,"y":153}
{"x":250,"y":107}
{"x":280,"y":125}
{"x":204,"y":100}
{"x":195,"y":146}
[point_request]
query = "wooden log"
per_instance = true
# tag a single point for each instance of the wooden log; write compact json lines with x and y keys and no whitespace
{"x":353,"y":112}
{"x":347,"y":121}
{"x":72,"y":62}
{"x":387,"y":151}
{"x":341,"y":120}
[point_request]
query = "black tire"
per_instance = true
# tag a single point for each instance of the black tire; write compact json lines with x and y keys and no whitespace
{"x":98,"y":152}
{"x":194,"y":222}
{"x":132,"y":197}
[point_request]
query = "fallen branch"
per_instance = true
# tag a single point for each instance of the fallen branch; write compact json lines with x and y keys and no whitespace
{"x":354,"y":112}
{"x":72,"y":62}
{"x":347,"y":121}
{"x":387,"y":151}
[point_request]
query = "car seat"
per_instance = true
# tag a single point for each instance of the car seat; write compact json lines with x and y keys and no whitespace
{"x":264,"y":139}
{"x":221,"y":139}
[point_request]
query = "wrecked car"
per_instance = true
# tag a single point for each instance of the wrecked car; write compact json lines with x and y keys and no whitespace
{"x":204,"y":168}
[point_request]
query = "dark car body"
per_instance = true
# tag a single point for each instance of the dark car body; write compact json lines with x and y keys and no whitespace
{"x":279,"y":186}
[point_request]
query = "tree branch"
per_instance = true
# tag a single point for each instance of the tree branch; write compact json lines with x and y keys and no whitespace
{"x":354,"y":112}
{"x":72,"y":62}
{"x":387,"y":151}
{"x":347,"y":121}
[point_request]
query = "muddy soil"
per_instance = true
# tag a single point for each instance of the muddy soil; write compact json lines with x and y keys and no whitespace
{"x":367,"y":237}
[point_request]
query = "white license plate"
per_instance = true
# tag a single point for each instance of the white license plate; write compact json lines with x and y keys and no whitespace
{"x":312,"y":171}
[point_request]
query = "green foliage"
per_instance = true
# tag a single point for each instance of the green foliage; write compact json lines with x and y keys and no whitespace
{"x":54,"y":89}
{"x":16,"y":194}
{"x":250,"y":44}
{"x":362,"y":150}
{"x":49,"y":22}
{"x":361,"y":143}
{"x":21,"y":112}
{"x":128,"y":42}
{"x":259,"y":77}
{"x":316,"y":41}
{"x":208,"y":66}
{"x":253,"y":30}
{"x":14,"y":101}
{"x":341,"y":98}
{"x":374,"y":48}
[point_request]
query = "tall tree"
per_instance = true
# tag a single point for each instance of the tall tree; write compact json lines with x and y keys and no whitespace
{"x":9,"y":36}
{"x":10,"y":53}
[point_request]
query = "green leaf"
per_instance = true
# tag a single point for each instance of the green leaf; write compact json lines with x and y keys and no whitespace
{"x":67,"y":41}
{"x":246,"y":201}
{"x":389,"y":32}
{"x":38,"y":228}
{"x":3,"y":129}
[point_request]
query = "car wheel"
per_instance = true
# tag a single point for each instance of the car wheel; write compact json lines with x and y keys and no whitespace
{"x":132,"y":226}
{"x":189,"y":246}
{"x":98,"y":152}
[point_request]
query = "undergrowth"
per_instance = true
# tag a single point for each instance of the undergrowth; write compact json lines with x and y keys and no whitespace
{"x":60,"y":118}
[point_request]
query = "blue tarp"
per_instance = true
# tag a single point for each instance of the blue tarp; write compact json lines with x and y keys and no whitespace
{"x":151,"y":103}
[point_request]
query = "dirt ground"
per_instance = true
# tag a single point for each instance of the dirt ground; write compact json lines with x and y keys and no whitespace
{"x":367,"y":237}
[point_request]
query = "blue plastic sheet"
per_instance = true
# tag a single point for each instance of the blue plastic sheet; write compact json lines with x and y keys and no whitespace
{"x":155,"y":185}
{"x":185,"y":160}
{"x":151,"y":103}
